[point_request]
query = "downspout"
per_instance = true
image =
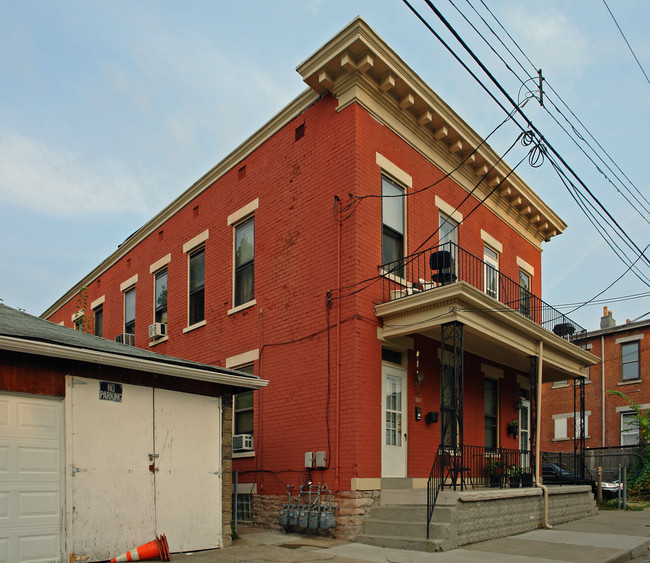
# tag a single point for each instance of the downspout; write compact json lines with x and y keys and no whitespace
{"x":261,"y":440}
{"x":338,"y":363}
{"x":602,"y":390}
{"x":538,"y":434}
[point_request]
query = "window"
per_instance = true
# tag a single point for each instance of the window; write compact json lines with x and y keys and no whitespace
{"x":197,"y":286}
{"x":629,"y":429}
{"x":79,"y":324}
{"x":129,"y":311}
{"x":629,"y":360}
{"x":524,"y":293}
{"x":491,"y":272}
{"x":392,"y":217}
{"x":99,"y":320}
{"x":560,"y":428}
{"x":448,"y":238}
{"x":160,"y":303}
{"x":243,"y":407}
{"x":245,"y":262}
{"x":491,"y":411}
{"x":244,"y":507}
{"x":577,"y":425}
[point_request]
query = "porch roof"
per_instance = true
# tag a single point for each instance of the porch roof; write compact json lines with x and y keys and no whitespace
{"x":491,"y":330}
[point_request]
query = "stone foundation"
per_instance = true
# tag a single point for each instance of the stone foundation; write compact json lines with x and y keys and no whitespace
{"x":351,"y":509}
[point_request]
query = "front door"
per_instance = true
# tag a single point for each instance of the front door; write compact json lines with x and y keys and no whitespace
{"x":393,"y":453}
{"x":524,"y":432}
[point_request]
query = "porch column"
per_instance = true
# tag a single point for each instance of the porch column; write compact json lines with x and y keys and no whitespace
{"x":534,"y":361}
{"x":451,"y":390}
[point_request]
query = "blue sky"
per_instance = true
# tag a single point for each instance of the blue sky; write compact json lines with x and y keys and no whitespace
{"x":109,"y":110}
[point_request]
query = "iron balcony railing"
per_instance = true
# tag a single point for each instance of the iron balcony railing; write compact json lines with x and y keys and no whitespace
{"x":449,"y":263}
{"x":475,"y":467}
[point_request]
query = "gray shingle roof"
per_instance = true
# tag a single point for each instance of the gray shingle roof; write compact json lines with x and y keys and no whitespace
{"x":21,"y":325}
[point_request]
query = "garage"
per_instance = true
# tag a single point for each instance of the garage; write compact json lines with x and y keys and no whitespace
{"x":30,"y":478}
{"x":103,"y":446}
{"x":145,"y":461}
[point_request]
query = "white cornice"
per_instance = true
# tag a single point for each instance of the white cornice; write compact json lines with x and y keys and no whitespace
{"x":357,"y":66}
{"x":126,"y":362}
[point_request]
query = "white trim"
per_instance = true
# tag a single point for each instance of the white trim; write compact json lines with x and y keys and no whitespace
{"x":525,"y":266}
{"x":158,"y":341}
{"x":491,"y":241}
{"x":242,"y":306}
{"x":194,"y":326}
{"x":632,"y":338}
{"x":449,"y":210}
{"x":78,"y":314}
{"x":627,"y":408}
{"x":491,"y":372}
{"x":243,"y":212}
{"x":128,"y":283}
{"x":570,"y":415}
{"x":246,"y":488}
{"x":127,"y":362}
{"x":238,"y":455}
{"x":243,"y":359}
{"x":158,"y":264}
{"x":394,"y":170}
{"x":196,"y":241}
{"x":97,"y":302}
{"x":62,"y":323}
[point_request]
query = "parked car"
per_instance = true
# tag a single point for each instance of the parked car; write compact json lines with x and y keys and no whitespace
{"x":556,"y":474}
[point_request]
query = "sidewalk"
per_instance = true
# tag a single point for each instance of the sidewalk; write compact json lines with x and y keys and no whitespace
{"x":611,"y":536}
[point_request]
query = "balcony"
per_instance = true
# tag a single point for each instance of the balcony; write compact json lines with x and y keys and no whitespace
{"x":504,"y":321}
{"x":449,"y":263}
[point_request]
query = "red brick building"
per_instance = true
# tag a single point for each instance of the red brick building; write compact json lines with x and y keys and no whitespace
{"x":624,"y":366}
{"x":360,"y":240}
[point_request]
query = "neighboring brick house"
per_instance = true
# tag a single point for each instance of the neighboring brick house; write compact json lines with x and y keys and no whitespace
{"x":362,"y":238}
{"x":624,"y":366}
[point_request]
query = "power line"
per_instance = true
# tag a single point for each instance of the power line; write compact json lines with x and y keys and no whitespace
{"x":627,"y":43}
{"x":622,"y":233}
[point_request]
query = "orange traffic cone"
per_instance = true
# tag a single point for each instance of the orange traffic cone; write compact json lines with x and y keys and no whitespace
{"x":158,"y":548}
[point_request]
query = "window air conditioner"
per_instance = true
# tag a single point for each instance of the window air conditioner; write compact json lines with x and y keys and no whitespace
{"x":242,"y":442}
{"x":156,"y":330}
{"x":126,"y":338}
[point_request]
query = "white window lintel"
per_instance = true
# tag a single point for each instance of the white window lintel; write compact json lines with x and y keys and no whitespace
{"x":158,"y":264}
{"x":128,"y":283}
{"x":243,"y":212}
{"x":196,"y":241}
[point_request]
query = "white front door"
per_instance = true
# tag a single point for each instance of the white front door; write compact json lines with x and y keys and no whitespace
{"x":143,"y":462}
{"x":393,"y":452}
{"x":31,"y":504}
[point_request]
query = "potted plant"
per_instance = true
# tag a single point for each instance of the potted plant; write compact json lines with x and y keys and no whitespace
{"x":526,"y":478}
{"x":493,"y":468}
{"x":513,"y":428}
{"x":514,"y":474}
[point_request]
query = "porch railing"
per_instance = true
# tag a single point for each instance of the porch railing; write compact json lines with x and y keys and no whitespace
{"x":477,"y":466}
{"x":449,"y":263}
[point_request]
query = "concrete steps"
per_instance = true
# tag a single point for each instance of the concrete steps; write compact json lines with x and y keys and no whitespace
{"x":404,"y":527}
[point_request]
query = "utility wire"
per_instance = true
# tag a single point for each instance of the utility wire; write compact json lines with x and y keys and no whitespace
{"x":521,"y":113}
{"x":627,"y":43}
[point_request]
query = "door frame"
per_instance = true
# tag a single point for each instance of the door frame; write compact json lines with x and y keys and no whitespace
{"x":400,"y":468}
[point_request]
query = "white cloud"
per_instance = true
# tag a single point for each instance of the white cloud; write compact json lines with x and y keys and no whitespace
{"x":63,"y":182}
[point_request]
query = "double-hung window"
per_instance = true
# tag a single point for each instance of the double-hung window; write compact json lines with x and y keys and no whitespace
{"x":491,"y":412}
{"x":491,"y":272}
{"x":129,"y":311}
{"x":197,"y":286}
{"x":245,"y":261}
{"x":629,"y":429}
{"x":629,"y":360}
{"x":160,"y":304}
{"x":448,"y":238}
{"x":99,"y":320}
{"x":392,"y":240}
{"x":524,"y":293}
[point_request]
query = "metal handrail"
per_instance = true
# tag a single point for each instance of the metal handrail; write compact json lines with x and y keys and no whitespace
{"x":413,"y":274}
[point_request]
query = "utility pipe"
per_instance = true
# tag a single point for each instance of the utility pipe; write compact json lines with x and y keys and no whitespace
{"x":338,"y":363}
{"x":538,"y":434}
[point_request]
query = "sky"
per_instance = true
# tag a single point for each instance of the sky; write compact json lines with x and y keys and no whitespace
{"x":110,"y":110}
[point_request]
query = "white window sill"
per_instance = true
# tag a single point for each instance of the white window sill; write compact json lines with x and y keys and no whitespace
{"x":158,"y":341}
{"x":629,"y":382}
{"x":562,"y":439}
{"x":242,"y":307}
{"x":240,"y":455}
{"x":194,"y":326}
{"x":559,"y":386}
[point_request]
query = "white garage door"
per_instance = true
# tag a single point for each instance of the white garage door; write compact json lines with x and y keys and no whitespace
{"x":145,"y":462}
{"x":30,"y":478}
